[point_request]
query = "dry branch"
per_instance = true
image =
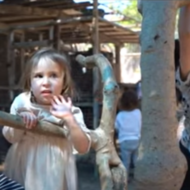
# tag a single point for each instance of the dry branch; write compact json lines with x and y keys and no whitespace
{"x":42,"y":127}
{"x":111,"y":170}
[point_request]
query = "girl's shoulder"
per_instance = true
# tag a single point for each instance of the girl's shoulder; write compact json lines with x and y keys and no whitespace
{"x":132,"y":113}
{"x":23,"y":96}
{"x":22,"y":99}
{"x":137,"y":112}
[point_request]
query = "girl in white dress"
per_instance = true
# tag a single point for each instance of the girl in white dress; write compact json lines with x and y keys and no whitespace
{"x":41,"y":162}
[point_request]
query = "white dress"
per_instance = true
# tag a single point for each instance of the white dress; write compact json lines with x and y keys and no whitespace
{"x":40,"y":162}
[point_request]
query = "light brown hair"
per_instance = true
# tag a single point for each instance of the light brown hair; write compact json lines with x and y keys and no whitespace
{"x":59,"y":58}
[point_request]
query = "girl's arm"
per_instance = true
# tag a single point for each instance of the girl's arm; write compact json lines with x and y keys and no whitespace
{"x":73,"y":118}
{"x":79,"y":133}
{"x":184,"y":37}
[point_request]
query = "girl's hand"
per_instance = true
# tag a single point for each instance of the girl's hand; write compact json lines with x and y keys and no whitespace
{"x":61,"y":107}
{"x":29,"y":119}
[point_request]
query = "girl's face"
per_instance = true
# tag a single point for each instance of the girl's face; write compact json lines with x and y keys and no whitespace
{"x":46,"y":80}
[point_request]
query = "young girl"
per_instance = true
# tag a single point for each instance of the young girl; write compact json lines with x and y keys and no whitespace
{"x":128,"y":126}
{"x":183,"y":83}
{"x":42,"y":162}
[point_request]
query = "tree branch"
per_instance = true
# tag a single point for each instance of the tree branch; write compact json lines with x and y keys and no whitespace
{"x":112,"y":172}
{"x":42,"y":127}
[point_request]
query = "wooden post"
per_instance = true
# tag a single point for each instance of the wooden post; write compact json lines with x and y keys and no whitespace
{"x":32,"y":44}
{"x":11,"y":63}
{"x":117,"y":63}
{"x":96,"y":75}
{"x":22,"y":54}
{"x":96,"y":43}
{"x":51,"y":35}
{"x":56,"y":40}
{"x":41,"y":37}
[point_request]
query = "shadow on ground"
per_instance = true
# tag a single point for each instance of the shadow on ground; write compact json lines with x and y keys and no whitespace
{"x":87,"y":177}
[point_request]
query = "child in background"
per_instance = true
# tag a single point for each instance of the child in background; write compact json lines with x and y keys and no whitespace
{"x":41,"y":162}
{"x":128,"y":125}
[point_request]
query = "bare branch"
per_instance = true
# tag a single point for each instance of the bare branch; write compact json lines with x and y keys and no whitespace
{"x":42,"y":127}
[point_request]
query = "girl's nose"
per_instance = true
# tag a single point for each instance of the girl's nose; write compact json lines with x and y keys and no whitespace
{"x":45,"y":81}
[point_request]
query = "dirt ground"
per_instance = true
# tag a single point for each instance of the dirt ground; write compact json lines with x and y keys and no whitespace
{"x":87,"y":177}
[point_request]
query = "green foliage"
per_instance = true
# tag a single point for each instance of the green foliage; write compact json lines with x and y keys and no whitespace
{"x":132,"y":14}
{"x":129,"y":11}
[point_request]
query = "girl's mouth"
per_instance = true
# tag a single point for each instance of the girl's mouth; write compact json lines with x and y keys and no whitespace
{"x":46,"y":92}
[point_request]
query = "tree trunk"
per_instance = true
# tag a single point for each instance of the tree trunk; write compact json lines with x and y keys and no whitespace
{"x":160,"y":164}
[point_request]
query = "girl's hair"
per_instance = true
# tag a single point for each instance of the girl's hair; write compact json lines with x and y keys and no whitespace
{"x":177,"y":64}
{"x":176,"y":54}
{"x":59,"y":58}
{"x":128,"y":100}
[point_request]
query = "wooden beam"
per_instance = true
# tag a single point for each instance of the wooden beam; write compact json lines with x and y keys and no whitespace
{"x":103,"y":37}
{"x":63,"y":23}
{"x":81,"y":39}
{"x":84,"y":22}
{"x":12,"y":19}
{"x":17,"y":9}
{"x":24,"y":26}
{"x":117,"y":33}
{"x":116,"y":25}
{"x":68,"y":7}
{"x":39,"y":24}
{"x":12,"y":1}
{"x":59,"y":4}
{"x":31,"y":44}
{"x":110,"y":39}
{"x":42,"y":3}
{"x":15,"y":87}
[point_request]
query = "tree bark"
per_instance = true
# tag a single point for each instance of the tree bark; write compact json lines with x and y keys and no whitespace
{"x":160,"y":164}
{"x":112,"y":172}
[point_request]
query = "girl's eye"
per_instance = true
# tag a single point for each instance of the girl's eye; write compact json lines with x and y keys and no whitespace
{"x":53,"y":75}
{"x":38,"y":76}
